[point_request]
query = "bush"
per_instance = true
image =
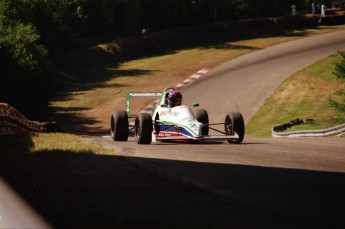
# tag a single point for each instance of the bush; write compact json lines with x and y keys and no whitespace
{"x":25,"y":65}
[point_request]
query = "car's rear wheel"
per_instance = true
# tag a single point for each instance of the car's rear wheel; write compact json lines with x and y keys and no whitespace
{"x":143,"y":128}
{"x":202,"y":116}
{"x":234,"y":123}
{"x":119,"y":126}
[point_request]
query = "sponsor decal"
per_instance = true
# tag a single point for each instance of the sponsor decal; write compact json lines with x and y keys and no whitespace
{"x":169,"y":112}
{"x":168,"y":134}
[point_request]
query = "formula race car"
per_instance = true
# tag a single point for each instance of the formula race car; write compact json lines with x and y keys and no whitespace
{"x":179,"y":124}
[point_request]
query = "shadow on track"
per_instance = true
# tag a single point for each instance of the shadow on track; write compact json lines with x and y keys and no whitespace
{"x":84,"y":190}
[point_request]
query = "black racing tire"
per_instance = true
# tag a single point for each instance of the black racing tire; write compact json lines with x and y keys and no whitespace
{"x":234,"y":123}
{"x":119,"y":126}
{"x":143,"y":128}
{"x":202,"y":116}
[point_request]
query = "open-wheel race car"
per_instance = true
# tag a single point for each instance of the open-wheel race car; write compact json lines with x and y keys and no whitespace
{"x":179,"y":123}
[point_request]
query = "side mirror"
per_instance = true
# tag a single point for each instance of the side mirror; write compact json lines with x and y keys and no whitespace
{"x":195,"y":104}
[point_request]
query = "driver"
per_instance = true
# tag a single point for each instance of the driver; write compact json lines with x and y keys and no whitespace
{"x":174,"y":98}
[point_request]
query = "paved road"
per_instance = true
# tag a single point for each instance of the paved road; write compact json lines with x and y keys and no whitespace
{"x":263,"y":182}
{"x":319,"y":154}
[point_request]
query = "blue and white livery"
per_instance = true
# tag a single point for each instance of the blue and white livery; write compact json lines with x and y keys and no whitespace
{"x":180,"y":123}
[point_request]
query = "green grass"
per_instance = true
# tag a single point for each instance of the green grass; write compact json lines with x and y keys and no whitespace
{"x":31,"y":144}
{"x":304,"y":95}
{"x":66,"y":142}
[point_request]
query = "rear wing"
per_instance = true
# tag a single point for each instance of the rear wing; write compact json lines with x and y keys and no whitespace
{"x":139,"y":94}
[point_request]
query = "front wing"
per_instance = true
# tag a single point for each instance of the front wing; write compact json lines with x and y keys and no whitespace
{"x":205,"y":137}
{"x":172,"y":137}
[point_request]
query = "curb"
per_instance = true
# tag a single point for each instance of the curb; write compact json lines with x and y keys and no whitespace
{"x":192,"y":78}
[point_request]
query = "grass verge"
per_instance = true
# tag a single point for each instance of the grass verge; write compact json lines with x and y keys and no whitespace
{"x":305,"y":95}
{"x":31,"y":144}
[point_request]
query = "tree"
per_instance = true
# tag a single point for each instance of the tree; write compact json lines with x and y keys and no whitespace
{"x":24,"y":64}
{"x":22,"y":44}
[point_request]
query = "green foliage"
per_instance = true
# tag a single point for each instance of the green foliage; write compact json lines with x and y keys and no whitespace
{"x":66,"y":23}
{"x":21,"y":43}
{"x":59,"y":22}
{"x":24,"y":63}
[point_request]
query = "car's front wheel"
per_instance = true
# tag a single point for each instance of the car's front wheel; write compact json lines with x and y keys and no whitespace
{"x":202,"y":116}
{"x":234,"y":123}
{"x":143,"y":128}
